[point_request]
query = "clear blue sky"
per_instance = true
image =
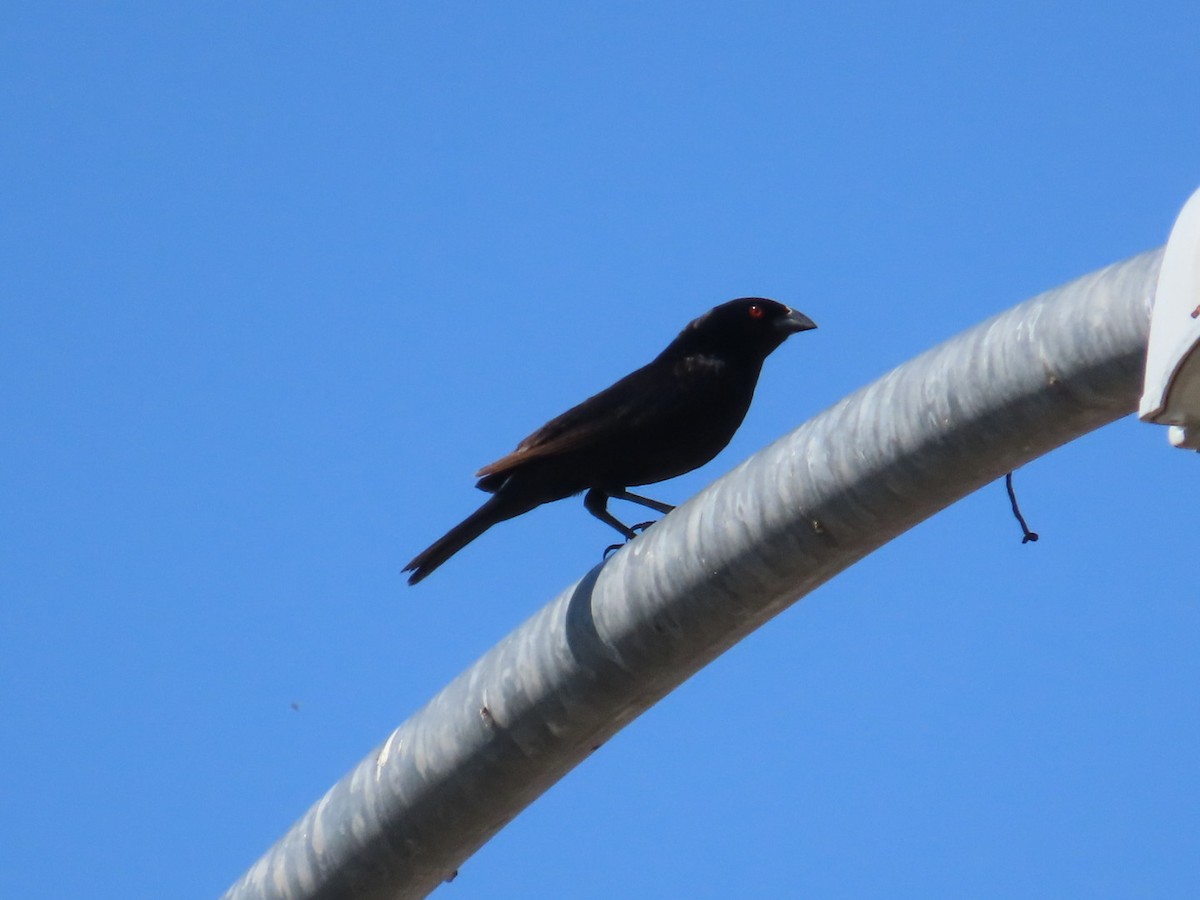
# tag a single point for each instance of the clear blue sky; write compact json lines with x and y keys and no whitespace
{"x":278,"y":278}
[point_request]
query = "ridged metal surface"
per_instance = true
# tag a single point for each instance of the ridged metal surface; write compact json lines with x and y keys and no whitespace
{"x":757,"y":540}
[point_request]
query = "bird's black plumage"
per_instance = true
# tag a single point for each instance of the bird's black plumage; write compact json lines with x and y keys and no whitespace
{"x":669,"y":417}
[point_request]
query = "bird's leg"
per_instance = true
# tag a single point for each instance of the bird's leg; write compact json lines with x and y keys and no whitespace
{"x":655,"y":505}
{"x":596,"y":502}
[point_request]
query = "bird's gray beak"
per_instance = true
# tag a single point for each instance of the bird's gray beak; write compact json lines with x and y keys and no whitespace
{"x":795,"y":322}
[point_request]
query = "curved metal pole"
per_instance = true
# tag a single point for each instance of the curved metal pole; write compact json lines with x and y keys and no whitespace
{"x":754,"y":542}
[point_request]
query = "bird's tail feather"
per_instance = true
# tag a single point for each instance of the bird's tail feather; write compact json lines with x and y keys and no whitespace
{"x":458,"y":537}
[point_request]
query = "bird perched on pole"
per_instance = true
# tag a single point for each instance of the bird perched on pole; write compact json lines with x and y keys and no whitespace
{"x":669,"y":417}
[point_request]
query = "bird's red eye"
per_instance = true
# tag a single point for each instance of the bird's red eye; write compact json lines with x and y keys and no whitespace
{"x":755,"y":311}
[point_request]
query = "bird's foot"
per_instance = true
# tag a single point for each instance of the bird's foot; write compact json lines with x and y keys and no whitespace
{"x":639,"y":528}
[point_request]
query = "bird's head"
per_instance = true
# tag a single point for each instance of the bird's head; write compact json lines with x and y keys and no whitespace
{"x":749,"y":326}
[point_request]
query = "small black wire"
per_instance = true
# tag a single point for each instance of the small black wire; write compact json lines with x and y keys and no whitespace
{"x":1012,"y":498}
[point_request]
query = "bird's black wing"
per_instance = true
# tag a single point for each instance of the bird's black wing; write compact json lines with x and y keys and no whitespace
{"x":652,"y":396}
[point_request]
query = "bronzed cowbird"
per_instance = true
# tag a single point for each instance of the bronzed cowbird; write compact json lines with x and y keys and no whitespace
{"x":669,"y":417}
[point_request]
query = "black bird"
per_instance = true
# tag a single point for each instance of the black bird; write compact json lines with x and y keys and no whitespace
{"x":669,"y":417}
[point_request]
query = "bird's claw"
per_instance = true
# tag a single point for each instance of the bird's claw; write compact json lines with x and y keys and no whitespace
{"x":639,"y":527}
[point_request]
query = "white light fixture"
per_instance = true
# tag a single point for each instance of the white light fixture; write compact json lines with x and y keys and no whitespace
{"x":1171,"y":395}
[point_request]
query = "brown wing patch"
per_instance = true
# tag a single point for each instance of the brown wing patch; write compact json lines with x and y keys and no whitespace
{"x":582,"y":425}
{"x":546,"y":441}
{"x":651,"y":394}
